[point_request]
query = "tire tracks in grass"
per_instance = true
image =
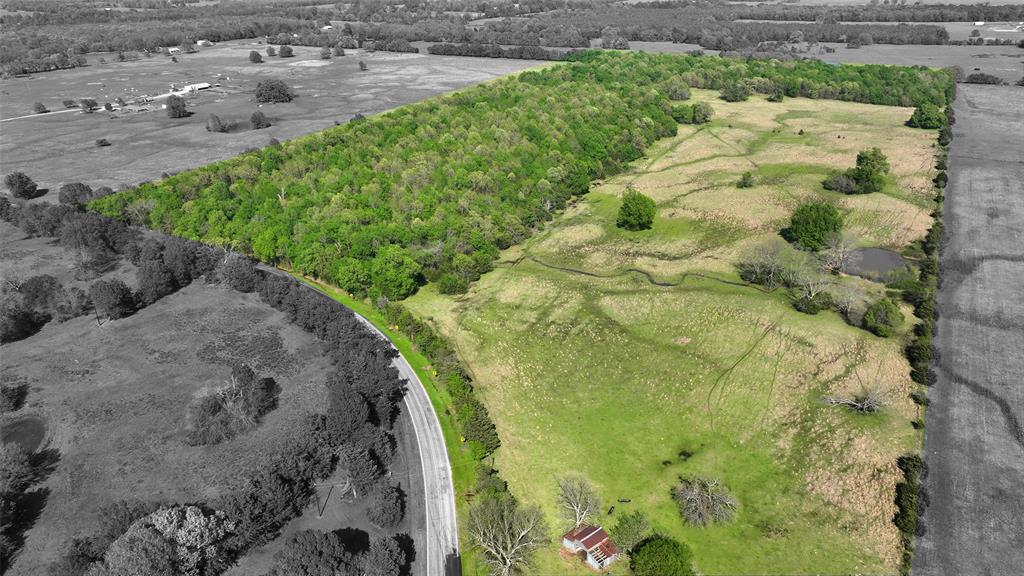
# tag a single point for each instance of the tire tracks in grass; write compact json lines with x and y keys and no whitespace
{"x":722,"y":378}
{"x":647,"y":275}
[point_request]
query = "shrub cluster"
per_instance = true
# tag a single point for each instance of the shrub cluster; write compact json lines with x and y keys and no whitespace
{"x":869,"y":175}
{"x":232,"y":409}
{"x":477,"y":428}
{"x":696,"y":113}
{"x":927,"y":116}
{"x":910,"y":502}
{"x":883,"y":317}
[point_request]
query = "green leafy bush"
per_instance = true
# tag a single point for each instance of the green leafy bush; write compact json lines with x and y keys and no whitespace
{"x":883,"y":317}
{"x":660,"y":556}
{"x":274,"y":90}
{"x":636,"y":212}
{"x":927,"y":116}
{"x":812,"y":224}
{"x":870,"y":171}
{"x":746,"y":181}
{"x":737,"y":91}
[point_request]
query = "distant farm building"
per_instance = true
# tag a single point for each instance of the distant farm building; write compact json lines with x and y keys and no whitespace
{"x":195,"y":87}
{"x":204,"y":43}
{"x":592,"y":545}
{"x":174,"y":50}
{"x":328,"y":27}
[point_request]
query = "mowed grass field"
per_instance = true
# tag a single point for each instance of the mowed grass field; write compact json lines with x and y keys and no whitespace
{"x":637,"y":358}
{"x":114,"y":396}
{"x":59,"y":147}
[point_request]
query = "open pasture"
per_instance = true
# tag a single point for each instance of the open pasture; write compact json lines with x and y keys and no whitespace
{"x":639,"y":357}
{"x":60,"y":146}
{"x":113,"y":397}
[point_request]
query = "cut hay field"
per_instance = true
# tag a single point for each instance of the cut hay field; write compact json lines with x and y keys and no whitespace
{"x":59,"y":147}
{"x":114,"y":397}
{"x":637,"y":358}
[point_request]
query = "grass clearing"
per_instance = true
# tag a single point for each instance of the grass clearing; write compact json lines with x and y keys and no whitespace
{"x":615,"y":354}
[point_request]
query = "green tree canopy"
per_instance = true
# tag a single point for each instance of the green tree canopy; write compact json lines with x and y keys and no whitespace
{"x":661,"y":556}
{"x":813,"y":223}
{"x":871,"y":170}
{"x":636,"y":212}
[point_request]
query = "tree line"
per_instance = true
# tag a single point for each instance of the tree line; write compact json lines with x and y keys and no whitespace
{"x":432,"y":191}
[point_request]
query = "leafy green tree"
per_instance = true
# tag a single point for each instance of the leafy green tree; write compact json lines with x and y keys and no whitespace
{"x":883,"y":317}
{"x":271,"y":51}
{"x":675,"y":89}
{"x":387,"y":509}
{"x":313,"y":553}
{"x":286,"y":51}
{"x":660,"y":556}
{"x":39,"y":108}
{"x":176,"y":107}
{"x":112,"y":298}
{"x":636,"y":212}
{"x":15,"y":468}
{"x":255,"y":57}
{"x":394,"y":272}
{"x":736,"y":91}
{"x":259,"y":121}
{"x":812,"y":224}
{"x":74,"y":194}
{"x":871,"y":170}
{"x":630,"y":530}
{"x":384,"y":558}
{"x":273,"y":90}
{"x":21,"y":186}
{"x":215,"y":124}
{"x":927,"y":116}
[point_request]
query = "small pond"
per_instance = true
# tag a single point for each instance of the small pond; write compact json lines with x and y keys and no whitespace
{"x":874,"y":262}
{"x":26,"y":431}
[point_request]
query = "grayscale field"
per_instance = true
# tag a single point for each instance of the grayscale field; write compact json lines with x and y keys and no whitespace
{"x":974,"y":440}
{"x":60,"y":146}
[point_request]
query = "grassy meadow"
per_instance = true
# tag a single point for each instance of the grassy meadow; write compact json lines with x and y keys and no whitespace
{"x":639,"y":357}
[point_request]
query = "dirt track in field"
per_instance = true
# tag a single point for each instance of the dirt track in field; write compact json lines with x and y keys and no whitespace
{"x":974,"y":439}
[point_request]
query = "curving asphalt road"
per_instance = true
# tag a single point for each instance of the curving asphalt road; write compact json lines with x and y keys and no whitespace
{"x":437,"y":553}
{"x":441,"y":551}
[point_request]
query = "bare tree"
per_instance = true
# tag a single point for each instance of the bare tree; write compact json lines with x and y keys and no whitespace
{"x":868,"y":401}
{"x":848,"y":300}
{"x":837,"y":252}
{"x":703,"y":501}
{"x":578,"y":499}
{"x":763,"y":264}
{"x":507,"y":534}
{"x":808,"y":283}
